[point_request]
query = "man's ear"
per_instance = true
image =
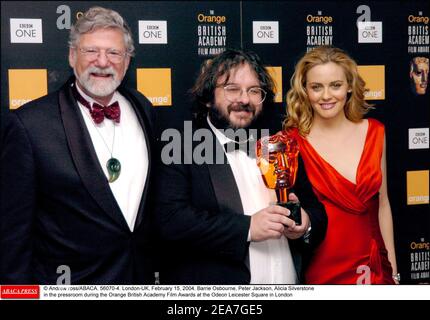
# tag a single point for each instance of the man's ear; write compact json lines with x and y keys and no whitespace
{"x":127,"y":63}
{"x":72,"y":57}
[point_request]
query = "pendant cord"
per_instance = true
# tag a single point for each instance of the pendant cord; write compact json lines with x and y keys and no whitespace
{"x":113,"y":140}
{"x":113,"y":165}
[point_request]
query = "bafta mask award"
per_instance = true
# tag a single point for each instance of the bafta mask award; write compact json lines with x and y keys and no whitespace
{"x":277,"y":158}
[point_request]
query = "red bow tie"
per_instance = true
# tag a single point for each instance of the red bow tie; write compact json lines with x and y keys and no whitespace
{"x":99,"y":112}
{"x":112,"y":112}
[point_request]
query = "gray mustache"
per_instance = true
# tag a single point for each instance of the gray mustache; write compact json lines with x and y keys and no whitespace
{"x":107,"y":71}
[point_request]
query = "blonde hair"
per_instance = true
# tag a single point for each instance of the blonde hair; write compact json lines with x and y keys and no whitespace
{"x":299,"y":110}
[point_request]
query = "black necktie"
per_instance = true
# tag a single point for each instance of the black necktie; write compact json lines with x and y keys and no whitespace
{"x":247,"y":146}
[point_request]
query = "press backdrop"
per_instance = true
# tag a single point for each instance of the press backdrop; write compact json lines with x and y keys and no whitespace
{"x":173,"y":38}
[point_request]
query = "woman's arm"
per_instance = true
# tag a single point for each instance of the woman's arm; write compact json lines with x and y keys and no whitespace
{"x":385,"y":216}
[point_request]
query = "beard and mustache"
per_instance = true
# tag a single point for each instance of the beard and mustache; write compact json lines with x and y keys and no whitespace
{"x":99,"y":87}
{"x":220,"y":119}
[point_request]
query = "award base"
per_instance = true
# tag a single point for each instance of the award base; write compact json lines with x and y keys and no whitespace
{"x":294,"y":208}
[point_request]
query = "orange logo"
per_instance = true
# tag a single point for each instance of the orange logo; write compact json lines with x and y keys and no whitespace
{"x":276,"y":74}
{"x":156,"y":85}
{"x":26,"y":85}
{"x":374,"y":76}
{"x":417,"y":186}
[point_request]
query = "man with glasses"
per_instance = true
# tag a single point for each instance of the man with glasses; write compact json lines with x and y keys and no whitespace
{"x":76,"y":167}
{"x":215,"y":220}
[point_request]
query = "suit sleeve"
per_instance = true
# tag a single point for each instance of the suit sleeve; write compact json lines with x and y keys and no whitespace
{"x":311,"y":205}
{"x":17,"y":193}
{"x":182,"y":224}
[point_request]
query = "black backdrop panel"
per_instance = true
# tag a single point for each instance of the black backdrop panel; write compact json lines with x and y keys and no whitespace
{"x":400,"y":111}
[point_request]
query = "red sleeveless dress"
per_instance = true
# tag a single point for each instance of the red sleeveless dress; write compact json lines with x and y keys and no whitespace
{"x":353,"y":248}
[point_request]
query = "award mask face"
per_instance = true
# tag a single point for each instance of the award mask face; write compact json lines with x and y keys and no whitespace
{"x":419,"y":73}
{"x":277,"y":158}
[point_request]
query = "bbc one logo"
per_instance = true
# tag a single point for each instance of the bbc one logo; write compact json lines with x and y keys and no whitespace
{"x":152,"y":32}
{"x":26,"y":31}
{"x":419,"y":138}
{"x":369,"y":31}
{"x":265,"y":32}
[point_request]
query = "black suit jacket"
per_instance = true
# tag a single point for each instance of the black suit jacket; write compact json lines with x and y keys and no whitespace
{"x":202,"y":229}
{"x":56,"y":204}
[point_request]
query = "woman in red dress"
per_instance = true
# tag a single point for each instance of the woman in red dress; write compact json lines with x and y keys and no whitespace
{"x":344,"y":157}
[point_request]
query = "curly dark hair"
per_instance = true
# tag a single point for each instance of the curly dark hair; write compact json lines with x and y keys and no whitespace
{"x":211,"y":70}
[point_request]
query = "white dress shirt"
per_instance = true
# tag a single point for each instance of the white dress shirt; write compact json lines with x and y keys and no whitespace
{"x":129,"y":148}
{"x":270,"y":260}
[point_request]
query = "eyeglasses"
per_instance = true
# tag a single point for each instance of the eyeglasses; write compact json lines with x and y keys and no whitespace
{"x":233,"y":93}
{"x":113,"y":55}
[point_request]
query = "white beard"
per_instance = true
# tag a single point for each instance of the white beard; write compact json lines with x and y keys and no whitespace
{"x":99,"y":87}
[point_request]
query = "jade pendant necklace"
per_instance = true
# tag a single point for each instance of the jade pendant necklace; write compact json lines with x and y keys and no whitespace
{"x":113,"y":165}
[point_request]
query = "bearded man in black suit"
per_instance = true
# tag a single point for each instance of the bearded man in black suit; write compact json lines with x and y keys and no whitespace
{"x":76,"y":170}
{"x":215,"y":219}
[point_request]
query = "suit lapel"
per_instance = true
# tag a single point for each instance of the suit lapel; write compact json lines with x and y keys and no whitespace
{"x":225,"y":187}
{"x":85,"y":157}
{"x":224,"y":183}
